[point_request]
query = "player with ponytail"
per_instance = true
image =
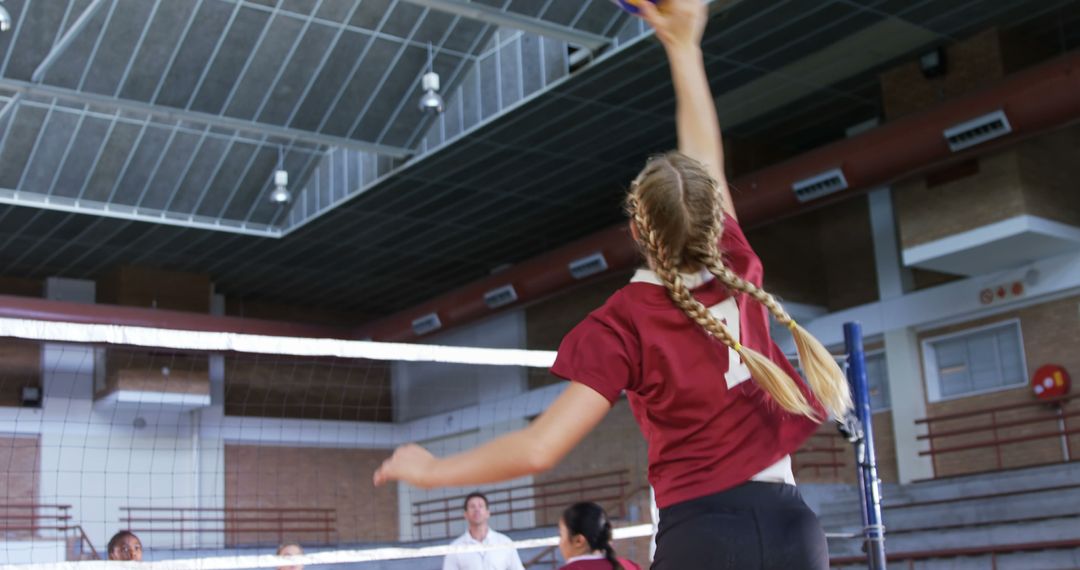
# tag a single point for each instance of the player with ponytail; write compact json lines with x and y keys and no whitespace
{"x":687,"y":341}
{"x":585,"y":540}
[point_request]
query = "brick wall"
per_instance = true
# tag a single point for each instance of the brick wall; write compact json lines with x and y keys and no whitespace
{"x":20,"y":366}
{"x":21,"y":287}
{"x":793,"y":258}
{"x":140,"y":370}
{"x":1049,"y":171}
{"x":257,"y":309}
{"x":308,"y":388}
{"x":146,"y":287}
{"x":1051,"y":333}
{"x":973,"y":63}
{"x":1036,"y":177}
{"x":20,"y":476}
{"x":292,"y":477}
{"x":926,"y":213}
{"x":613,"y":445}
{"x":847,"y":244}
{"x":20,"y":361}
{"x":823,"y":257}
{"x":811,"y":462}
{"x":20,"y":468}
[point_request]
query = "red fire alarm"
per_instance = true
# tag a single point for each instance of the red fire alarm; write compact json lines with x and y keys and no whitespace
{"x":1050,"y":381}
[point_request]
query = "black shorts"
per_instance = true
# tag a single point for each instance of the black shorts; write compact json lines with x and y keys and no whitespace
{"x":755,"y":526}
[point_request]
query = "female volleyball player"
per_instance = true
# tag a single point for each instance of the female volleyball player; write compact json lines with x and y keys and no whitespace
{"x":290,"y":549}
{"x":585,"y":540}
{"x":681,"y":340}
{"x":124,"y":545}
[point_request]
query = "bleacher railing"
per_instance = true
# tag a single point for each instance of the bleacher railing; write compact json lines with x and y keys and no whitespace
{"x":239,"y":526}
{"x":28,"y":521}
{"x":822,"y":455}
{"x":544,"y":499}
{"x":911,"y":558}
{"x":993,"y":428}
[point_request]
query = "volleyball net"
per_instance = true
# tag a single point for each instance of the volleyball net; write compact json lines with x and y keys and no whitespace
{"x":215,"y":447}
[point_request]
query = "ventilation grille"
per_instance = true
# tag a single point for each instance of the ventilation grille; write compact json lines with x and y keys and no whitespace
{"x":823,"y":184}
{"x":427,"y":323}
{"x":500,"y":296}
{"x":588,"y":265}
{"x":977,"y":131}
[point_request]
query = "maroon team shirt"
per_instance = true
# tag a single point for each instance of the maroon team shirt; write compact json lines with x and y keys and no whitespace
{"x":707,"y":425}
{"x":598,"y":564}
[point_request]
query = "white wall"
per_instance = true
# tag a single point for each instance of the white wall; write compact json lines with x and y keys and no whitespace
{"x":423,"y":389}
{"x":33,"y":551}
{"x":407,"y":495}
{"x":447,"y":394}
{"x":96,"y":459}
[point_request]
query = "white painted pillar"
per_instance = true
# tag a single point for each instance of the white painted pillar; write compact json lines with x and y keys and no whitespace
{"x":893,"y":278}
{"x":902,"y":357}
{"x":208,"y":443}
{"x":72,"y":464}
{"x":907,"y":397}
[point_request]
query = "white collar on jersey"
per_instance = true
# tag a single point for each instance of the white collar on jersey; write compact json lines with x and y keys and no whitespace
{"x":586,"y":557}
{"x":692,"y":280}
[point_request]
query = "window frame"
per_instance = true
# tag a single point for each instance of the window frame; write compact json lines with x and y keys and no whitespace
{"x":930,"y":368}
{"x":867,"y":355}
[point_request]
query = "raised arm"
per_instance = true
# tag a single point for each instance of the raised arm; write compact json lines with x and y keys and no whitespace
{"x":679,"y":26}
{"x":529,"y":450}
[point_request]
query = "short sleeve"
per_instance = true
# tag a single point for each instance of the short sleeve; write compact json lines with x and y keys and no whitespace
{"x":595,"y":355}
{"x":737,"y":253}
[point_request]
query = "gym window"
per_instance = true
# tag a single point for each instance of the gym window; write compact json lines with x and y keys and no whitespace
{"x":975,"y":361}
{"x":877,"y":381}
{"x":877,"y":378}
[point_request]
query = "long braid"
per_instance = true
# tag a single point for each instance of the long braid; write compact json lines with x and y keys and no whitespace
{"x":765,"y":372}
{"x":824,"y":376}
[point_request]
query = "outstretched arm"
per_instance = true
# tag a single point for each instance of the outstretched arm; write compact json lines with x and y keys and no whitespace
{"x":679,"y":26}
{"x":529,"y":450}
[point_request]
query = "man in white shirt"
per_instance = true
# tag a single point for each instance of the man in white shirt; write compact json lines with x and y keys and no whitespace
{"x":477,"y":515}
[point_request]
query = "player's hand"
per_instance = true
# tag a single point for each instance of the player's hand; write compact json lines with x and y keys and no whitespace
{"x":679,"y":24}
{"x":410,"y":463}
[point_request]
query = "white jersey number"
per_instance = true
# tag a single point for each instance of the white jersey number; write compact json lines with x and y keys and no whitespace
{"x":728,"y":313}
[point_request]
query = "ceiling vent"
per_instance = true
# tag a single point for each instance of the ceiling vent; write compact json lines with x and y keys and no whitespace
{"x":977,"y":131}
{"x":588,"y":265}
{"x":500,"y":296}
{"x":828,"y":182}
{"x":427,"y":323}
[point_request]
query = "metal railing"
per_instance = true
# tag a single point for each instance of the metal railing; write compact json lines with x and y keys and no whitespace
{"x":992,"y":432}
{"x":434,"y":517}
{"x":992,"y":551}
{"x":240,"y":526}
{"x":546,"y":558}
{"x":823,"y":454}
{"x":45,"y":521}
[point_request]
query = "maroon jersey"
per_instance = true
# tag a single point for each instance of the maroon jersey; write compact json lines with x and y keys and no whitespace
{"x":708,"y":428}
{"x":598,"y":564}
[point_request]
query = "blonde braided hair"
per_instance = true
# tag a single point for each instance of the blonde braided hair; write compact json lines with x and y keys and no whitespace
{"x":675,"y":193}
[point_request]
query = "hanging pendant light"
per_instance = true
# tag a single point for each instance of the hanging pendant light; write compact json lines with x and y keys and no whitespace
{"x":280,"y":194}
{"x":431,"y":100}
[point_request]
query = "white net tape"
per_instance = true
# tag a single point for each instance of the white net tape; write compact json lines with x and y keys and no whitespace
{"x":53,"y":331}
{"x":333,"y":557}
{"x":233,"y":434}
